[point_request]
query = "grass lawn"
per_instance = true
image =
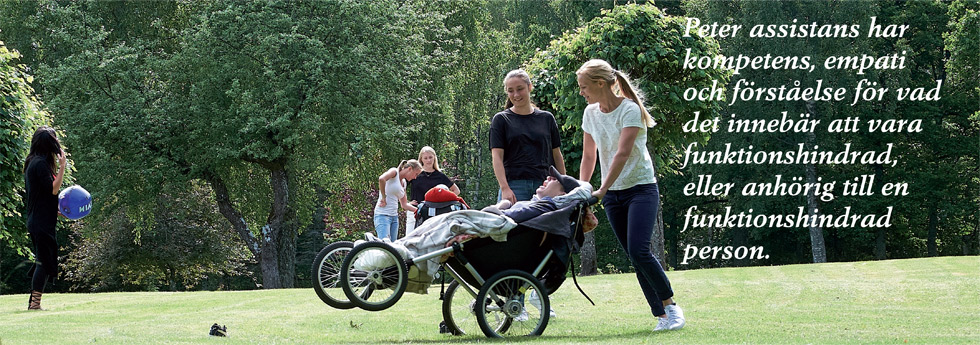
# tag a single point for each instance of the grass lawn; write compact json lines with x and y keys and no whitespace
{"x":915,"y":301}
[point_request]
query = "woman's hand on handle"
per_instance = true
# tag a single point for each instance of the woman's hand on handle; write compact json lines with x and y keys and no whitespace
{"x":600,"y":193}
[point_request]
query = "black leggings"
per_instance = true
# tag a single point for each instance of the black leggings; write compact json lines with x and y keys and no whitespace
{"x":46,"y":263}
{"x":40,"y":278}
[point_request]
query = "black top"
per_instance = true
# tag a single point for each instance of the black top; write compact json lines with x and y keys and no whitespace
{"x":42,"y":206}
{"x":527,"y":140}
{"x":425,"y":181}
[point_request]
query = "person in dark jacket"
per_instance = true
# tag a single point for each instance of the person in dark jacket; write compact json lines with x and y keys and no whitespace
{"x":44,"y":171}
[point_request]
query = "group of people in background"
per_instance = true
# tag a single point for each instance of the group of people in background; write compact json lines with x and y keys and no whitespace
{"x":525,"y":142}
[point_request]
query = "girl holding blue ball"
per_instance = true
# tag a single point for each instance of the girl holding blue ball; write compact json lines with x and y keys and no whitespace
{"x":44,"y":171}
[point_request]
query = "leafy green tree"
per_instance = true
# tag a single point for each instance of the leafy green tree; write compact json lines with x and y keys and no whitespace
{"x":21,"y":113}
{"x":647,"y":45}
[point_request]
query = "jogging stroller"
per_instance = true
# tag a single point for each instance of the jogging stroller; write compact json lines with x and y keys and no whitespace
{"x":503,"y":285}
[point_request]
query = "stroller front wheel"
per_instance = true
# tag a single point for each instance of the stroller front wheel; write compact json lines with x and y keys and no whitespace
{"x":374,"y":276}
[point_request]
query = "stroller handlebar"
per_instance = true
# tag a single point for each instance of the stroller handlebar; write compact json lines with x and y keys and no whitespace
{"x":592,"y":201}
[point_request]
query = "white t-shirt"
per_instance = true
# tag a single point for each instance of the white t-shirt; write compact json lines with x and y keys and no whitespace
{"x":605,"y":129}
{"x":393,"y":191}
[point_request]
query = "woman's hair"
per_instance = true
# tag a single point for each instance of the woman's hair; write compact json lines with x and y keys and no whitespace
{"x":410,"y":163}
{"x":435,"y":159}
{"x":44,"y":144}
{"x":521,"y":74}
{"x":597,"y":70}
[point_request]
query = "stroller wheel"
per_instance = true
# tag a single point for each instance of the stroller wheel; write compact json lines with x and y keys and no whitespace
{"x":504,"y":298}
{"x":374,"y":276}
{"x":326,"y":274}
{"x":459,"y":312}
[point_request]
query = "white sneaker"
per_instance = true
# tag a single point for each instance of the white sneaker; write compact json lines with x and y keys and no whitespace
{"x":662,"y":324}
{"x":522,"y":317}
{"x":675,"y":317}
{"x":536,"y":302}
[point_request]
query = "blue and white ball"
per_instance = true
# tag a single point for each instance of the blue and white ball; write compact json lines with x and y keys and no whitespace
{"x":74,"y":202}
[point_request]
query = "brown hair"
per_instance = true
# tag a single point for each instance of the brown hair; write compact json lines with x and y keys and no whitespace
{"x":522,"y":75}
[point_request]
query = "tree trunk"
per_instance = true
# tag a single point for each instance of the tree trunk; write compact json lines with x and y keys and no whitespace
{"x":588,"y":256}
{"x":817,"y":246}
{"x":275,"y":250}
{"x":657,"y":239}
{"x":880,"y":249}
{"x":287,"y":250}
{"x":231,"y":214}
{"x":273,"y":236}
{"x":740,"y":237}
{"x":933,"y":226}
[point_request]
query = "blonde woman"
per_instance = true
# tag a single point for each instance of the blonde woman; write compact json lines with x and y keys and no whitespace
{"x":391,"y":193}
{"x":430,"y":177}
{"x":615,"y":126}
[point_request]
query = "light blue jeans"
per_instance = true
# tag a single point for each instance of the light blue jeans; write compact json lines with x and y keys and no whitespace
{"x":386,"y":226}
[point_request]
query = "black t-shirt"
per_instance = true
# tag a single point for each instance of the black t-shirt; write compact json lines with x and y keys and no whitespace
{"x":426,"y":181}
{"x":42,"y":206}
{"x":527,"y":140}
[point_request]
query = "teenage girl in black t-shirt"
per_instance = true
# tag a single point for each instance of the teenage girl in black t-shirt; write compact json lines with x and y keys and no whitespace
{"x":42,"y":185}
{"x":430,"y":177}
{"x":524,"y":141}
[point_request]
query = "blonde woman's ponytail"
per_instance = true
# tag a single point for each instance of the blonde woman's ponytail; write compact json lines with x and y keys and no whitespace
{"x":626,"y":89}
{"x":410,"y":163}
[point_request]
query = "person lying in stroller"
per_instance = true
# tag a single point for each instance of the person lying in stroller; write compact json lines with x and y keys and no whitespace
{"x":557,"y":192}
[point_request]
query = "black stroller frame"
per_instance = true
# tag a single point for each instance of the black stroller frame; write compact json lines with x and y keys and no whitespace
{"x":512,"y":301}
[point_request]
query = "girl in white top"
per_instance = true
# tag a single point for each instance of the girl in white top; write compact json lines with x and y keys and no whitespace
{"x":615,"y":126}
{"x":392,"y":191}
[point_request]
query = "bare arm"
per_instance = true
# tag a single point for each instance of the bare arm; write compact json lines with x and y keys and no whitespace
{"x":406,"y":205}
{"x":454,"y":189}
{"x":626,"y":138}
{"x":498,"y":171}
{"x":559,"y":160}
{"x":381,"y":185}
{"x":60,"y":177}
{"x":587,"y":166}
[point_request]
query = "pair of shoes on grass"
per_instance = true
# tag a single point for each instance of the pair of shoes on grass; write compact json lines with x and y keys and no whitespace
{"x":673,"y":321}
{"x":536,"y":302}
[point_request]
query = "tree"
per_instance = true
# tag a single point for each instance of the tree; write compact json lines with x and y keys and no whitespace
{"x":20,"y":115}
{"x":647,"y":45}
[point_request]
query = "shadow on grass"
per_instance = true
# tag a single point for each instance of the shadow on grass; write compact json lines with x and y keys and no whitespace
{"x":559,"y":339}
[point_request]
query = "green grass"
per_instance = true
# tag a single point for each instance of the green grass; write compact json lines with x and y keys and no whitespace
{"x":935,"y":300}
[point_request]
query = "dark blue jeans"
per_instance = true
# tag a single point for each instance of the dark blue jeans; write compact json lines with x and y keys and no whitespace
{"x":632,"y":213}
